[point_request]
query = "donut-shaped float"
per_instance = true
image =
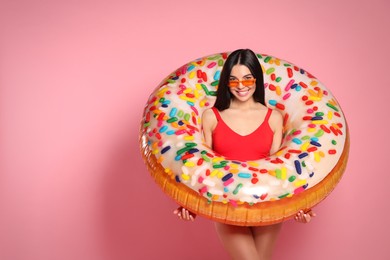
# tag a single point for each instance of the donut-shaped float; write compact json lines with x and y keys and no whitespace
{"x":307,"y":167}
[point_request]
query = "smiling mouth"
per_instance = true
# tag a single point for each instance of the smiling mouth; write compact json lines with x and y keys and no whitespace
{"x":242,"y":93}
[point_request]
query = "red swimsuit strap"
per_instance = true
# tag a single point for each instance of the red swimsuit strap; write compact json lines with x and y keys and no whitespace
{"x":216,"y":112}
{"x":269,"y":112}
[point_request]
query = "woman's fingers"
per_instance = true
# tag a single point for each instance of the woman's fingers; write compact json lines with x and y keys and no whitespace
{"x":304,"y":217}
{"x":188,"y":215}
{"x":298,"y":217}
{"x":307,"y":217}
{"x":178,"y":212}
{"x":183,"y":214}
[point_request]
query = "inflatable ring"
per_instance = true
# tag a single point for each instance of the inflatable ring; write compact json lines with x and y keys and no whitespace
{"x":309,"y":164}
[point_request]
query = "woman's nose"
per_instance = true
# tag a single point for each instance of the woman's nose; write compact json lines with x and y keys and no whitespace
{"x":240,"y":85}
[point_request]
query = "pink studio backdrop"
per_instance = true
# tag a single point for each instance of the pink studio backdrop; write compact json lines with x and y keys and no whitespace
{"x":74,"y":78}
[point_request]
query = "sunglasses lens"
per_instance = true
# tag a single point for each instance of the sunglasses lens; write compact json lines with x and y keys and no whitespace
{"x":245,"y":83}
{"x":233,"y":83}
{"x":248,"y":82}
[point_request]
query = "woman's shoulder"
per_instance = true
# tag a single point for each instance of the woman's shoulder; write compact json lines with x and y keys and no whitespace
{"x":276,"y":119}
{"x":208,"y":115}
{"x":209,"y":120}
{"x":208,"y":112}
{"x":275,"y":113}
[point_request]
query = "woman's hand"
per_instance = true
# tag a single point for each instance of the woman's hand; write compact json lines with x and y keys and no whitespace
{"x":184,"y":214}
{"x":304,"y":217}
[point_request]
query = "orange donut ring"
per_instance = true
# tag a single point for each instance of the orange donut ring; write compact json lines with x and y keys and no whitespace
{"x":302,"y":173}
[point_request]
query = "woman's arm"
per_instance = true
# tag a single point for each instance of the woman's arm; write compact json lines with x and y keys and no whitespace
{"x":276,"y":124}
{"x":209,"y":122}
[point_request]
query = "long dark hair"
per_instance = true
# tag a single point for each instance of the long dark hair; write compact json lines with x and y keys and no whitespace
{"x":242,"y":57}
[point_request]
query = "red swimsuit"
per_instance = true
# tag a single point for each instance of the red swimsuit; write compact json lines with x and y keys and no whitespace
{"x":253,"y":146}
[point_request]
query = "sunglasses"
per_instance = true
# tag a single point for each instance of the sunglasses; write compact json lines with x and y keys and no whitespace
{"x":233,"y":83}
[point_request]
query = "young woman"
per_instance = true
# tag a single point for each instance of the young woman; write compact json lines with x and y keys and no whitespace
{"x":241,"y":127}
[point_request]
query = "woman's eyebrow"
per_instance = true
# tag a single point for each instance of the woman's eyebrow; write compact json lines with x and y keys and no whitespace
{"x":247,"y":75}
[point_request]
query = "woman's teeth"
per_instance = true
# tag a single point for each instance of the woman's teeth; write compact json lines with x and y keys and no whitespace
{"x":242,"y":93}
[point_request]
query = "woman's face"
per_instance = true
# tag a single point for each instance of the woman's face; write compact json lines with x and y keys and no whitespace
{"x":241,"y":92}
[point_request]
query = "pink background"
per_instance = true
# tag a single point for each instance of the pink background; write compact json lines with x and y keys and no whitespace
{"x":74,"y":78}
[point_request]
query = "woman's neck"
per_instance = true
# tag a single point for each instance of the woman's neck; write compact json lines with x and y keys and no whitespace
{"x":243,"y":105}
